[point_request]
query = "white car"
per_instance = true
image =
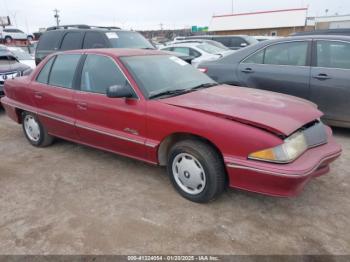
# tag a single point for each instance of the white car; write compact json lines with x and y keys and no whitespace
{"x":22,"y":56}
{"x":199,"y":50}
{"x":9,"y":34}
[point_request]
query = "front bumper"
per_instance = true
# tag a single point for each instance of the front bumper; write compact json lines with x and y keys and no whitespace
{"x":282,"y":180}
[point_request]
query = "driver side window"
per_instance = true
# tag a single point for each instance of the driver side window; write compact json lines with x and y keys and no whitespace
{"x":99,"y":73}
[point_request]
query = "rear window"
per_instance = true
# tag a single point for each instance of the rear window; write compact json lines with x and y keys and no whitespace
{"x":49,"y":40}
{"x":63,"y":70}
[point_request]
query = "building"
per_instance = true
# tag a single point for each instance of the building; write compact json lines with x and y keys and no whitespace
{"x":275,"y":23}
{"x":329,"y":22}
{"x":272,"y":23}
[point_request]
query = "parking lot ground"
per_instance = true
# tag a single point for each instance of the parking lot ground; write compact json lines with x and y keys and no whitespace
{"x":71,"y":199}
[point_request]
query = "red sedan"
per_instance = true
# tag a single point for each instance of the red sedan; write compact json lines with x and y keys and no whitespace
{"x":156,"y":108}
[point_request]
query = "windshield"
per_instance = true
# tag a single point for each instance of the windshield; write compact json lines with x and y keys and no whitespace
{"x":20,"y":53}
{"x":161,"y":73}
{"x":211,"y":49}
{"x":7,"y":60}
{"x":125,"y":39}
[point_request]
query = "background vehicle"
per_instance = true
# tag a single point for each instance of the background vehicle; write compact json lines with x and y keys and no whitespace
{"x":316,"y":68}
{"x":159,"y":109}
{"x":210,"y":42}
{"x":233,"y":42}
{"x":9,"y":34}
{"x":73,"y":37}
{"x":10,"y":68}
{"x":23,"y":56}
{"x":199,"y":50}
{"x":261,"y":38}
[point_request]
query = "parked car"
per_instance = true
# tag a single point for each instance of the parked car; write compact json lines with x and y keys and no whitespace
{"x":10,"y":68}
{"x":210,"y":42}
{"x":23,"y":56}
{"x":159,"y":109}
{"x":233,"y":42}
{"x":200,"y":51}
{"x":72,"y":37}
{"x":9,"y":34}
{"x":262,"y":38}
{"x":316,"y":68}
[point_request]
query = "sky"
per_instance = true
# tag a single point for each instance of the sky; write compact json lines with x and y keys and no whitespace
{"x":30,"y":15}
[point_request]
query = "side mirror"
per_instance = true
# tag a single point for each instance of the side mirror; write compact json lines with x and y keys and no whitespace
{"x":119,"y":91}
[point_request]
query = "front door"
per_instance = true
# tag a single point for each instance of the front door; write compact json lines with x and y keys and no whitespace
{"x":282,"y":68}
{"x":330,"y":79}
{"x":115,"y":124}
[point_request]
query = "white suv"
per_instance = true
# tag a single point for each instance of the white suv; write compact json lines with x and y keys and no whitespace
{"x":9,"y":34}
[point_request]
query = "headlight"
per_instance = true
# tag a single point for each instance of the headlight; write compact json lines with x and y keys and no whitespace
{"x":290,"y":150}
{"x":13,"y":75}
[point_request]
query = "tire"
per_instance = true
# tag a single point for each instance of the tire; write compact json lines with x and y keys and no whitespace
{"x":202,"y":177}
{"x":30,"y":38}
{"x":8,"y":39}
{"x":34,"y":131}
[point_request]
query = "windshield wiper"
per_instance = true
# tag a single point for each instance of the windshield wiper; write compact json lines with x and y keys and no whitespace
{"x":201,"y":86}
{"x":182,"y":91}
{"x":168,"y":93}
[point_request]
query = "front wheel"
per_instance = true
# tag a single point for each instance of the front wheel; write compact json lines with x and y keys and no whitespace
{"x":34,"y":131}
{"x":196,"y":170}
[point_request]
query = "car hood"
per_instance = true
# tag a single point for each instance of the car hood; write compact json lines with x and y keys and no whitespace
{"x":277,"y":113}
{"x":4,"y":68}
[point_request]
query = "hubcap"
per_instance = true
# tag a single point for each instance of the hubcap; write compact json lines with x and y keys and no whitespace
{"x":189,"y":174}
{"x":32,"y":128}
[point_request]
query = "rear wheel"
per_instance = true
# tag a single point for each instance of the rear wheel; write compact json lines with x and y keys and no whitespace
{"x":34,"y":131}
{"x":196,"y":170}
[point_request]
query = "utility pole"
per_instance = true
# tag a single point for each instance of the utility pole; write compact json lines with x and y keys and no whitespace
{"x":57,"y":16}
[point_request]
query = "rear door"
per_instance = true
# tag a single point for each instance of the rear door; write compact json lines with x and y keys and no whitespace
{"x":282,"y":67}
{"x":330,"y":79}
{"x":115,"y":124}
{"x":53,"y":95}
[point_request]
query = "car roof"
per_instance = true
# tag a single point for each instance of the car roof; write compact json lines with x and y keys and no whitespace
{"x":88,"y":30}
{"x":117,"y":52}
{"x":306,"y":37}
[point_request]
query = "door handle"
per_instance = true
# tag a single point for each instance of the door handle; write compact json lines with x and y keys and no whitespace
{"x":82,"y":106}
{"x":248,"y":70}
{"x":322,"y":77}
{"x":38,"y":95}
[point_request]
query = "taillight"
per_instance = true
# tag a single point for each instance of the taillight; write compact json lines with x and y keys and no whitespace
{"x":203,"y":70}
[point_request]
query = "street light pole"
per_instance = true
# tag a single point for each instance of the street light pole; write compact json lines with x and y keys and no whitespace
{"x":57,"y":16}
